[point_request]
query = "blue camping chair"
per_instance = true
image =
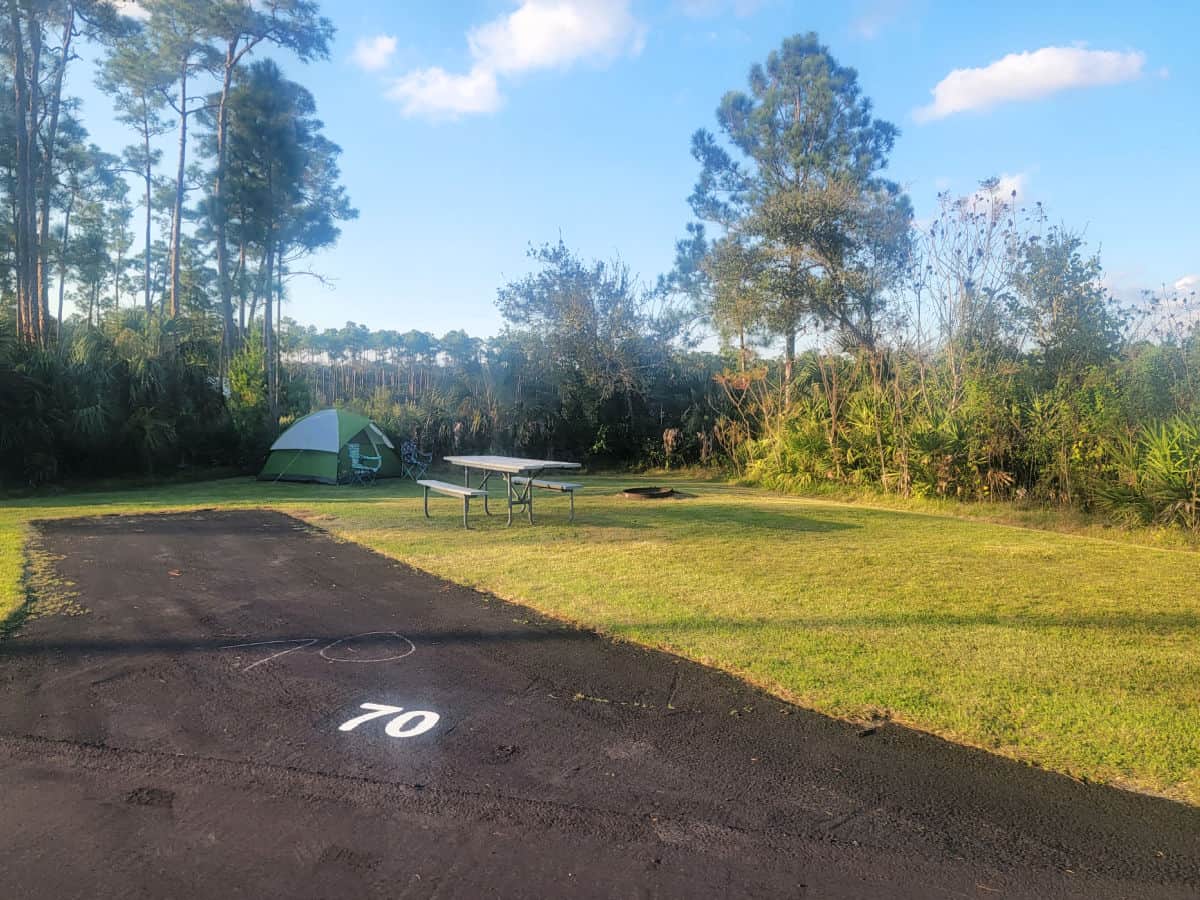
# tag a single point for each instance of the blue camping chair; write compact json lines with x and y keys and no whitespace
{"x":363,"y":467}
{"x":414,"y":461}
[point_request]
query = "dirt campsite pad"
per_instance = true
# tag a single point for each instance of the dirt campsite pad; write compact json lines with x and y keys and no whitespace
{"x":233,"y":704}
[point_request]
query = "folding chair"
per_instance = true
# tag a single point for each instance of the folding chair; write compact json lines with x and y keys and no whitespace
{"x":363,"y":467}
{"x":414,"y":461}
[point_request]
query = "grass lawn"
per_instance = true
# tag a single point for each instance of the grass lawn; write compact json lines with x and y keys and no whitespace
{"x":1073,"y":653}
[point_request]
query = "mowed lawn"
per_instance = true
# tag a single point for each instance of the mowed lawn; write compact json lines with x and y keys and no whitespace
{"x":1073,"y":653}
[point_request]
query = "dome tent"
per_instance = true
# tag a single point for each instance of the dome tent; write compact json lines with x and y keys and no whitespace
{"x":315,"y":448}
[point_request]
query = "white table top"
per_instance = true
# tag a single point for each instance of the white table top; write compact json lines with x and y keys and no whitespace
{"x":512,"y":465}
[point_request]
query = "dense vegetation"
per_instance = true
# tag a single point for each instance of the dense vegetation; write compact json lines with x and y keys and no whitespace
{"x":590,"y":367}
{"x":141,"y":298}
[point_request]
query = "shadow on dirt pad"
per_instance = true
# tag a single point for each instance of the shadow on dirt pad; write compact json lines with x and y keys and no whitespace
{"x":248,"y":708}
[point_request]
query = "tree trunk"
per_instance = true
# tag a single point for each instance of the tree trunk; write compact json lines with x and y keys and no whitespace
{"x":27,"y":322}
{"x":13,"y":214}
{"x":117,"y":281}
{"x":876,"y":364}
{"x":241,"y":267}
{"x":177,"y":218}
{"x":902,"y":433}
{"x":268,"y":341}
{"x":256,"y":292}
{"x":278,"y":325}
{"x":33,"y":97}
{"x":62,"y":264}
{"x":148,"y":175}
{"x":789,"y":365}
{"x":228,"y":337}
{"x":47,"y":177}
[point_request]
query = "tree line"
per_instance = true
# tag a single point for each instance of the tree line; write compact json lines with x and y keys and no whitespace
{"x":234,"y":214}
{"x":251,"y":188}
{"x":590,"y":365}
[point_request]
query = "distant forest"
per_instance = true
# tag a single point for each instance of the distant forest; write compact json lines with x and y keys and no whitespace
{"x":143,"y":291}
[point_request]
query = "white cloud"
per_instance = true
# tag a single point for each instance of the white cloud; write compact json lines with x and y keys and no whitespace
{"x":545,"y":34}
{"x":373,"y":54}
{"x":438,"y":93}
{"x":133,"y":10}
{"x":1008,"y":188}
{"x":1028,"y":76}
{"x":1187,"y":284}
{"x":538,"y":34}
{"x":1008,"y":185}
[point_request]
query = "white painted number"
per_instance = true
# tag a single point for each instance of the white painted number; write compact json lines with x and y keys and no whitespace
{"x":400,"y":726}
{"x":378,"y":710}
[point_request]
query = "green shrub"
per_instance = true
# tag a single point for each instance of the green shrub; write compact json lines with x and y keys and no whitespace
{"x":1157,"y":477}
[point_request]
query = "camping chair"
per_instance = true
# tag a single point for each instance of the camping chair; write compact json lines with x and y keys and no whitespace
{"x":363,"y":468}
{"x":415,"y":461}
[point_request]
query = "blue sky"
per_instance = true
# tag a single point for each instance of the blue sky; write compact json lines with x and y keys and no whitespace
{"x":471,"y":129}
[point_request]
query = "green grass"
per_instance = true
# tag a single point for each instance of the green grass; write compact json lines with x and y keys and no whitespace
{"x":1070,"y":652}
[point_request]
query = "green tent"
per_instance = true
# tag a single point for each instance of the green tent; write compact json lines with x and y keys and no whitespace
{"x":315,"y":448}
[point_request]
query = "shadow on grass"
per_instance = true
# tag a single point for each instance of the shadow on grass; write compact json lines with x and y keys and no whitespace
{"x":684,"y":514}
{"x":268,"y":493}
{"x":605,"y":524}
{"x":1163,"y":623}
{"x":667,"y":631}
{"x":674,"y":520}
{"x":609,"y":512}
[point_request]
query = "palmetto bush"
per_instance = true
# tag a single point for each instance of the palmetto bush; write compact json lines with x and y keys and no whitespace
{"x":948,"y":460}
{"x":126,"y":397}
{"x":796,"y":455}
{"x":1157,"y":476}
{"x":1071,"y":443}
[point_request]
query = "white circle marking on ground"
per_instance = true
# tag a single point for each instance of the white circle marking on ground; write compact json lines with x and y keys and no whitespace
{"x":325,"y":650}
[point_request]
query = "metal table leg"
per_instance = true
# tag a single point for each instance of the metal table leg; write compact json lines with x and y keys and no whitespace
{"x":518,"y":496}
{"x":483,"y":487}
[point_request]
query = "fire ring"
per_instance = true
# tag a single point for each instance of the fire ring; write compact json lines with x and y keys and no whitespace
{"x":648,"y":493}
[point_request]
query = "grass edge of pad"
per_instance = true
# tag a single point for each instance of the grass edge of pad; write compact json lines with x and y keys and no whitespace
{"x":1147,"y":739}
{"x":14,"y":561}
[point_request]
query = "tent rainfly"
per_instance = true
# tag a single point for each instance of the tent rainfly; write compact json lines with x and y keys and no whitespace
{"x":315,"y":448}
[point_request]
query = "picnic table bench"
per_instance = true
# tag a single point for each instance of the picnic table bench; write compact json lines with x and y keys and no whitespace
{"x":451,"y":490}
{"x":520,"y":476}
{"x":563,"y":487}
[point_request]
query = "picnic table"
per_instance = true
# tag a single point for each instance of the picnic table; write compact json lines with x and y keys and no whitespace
{"x":519,"y":475}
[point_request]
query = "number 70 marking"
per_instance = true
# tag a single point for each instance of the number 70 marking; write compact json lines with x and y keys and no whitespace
{"x":400,"y":726}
